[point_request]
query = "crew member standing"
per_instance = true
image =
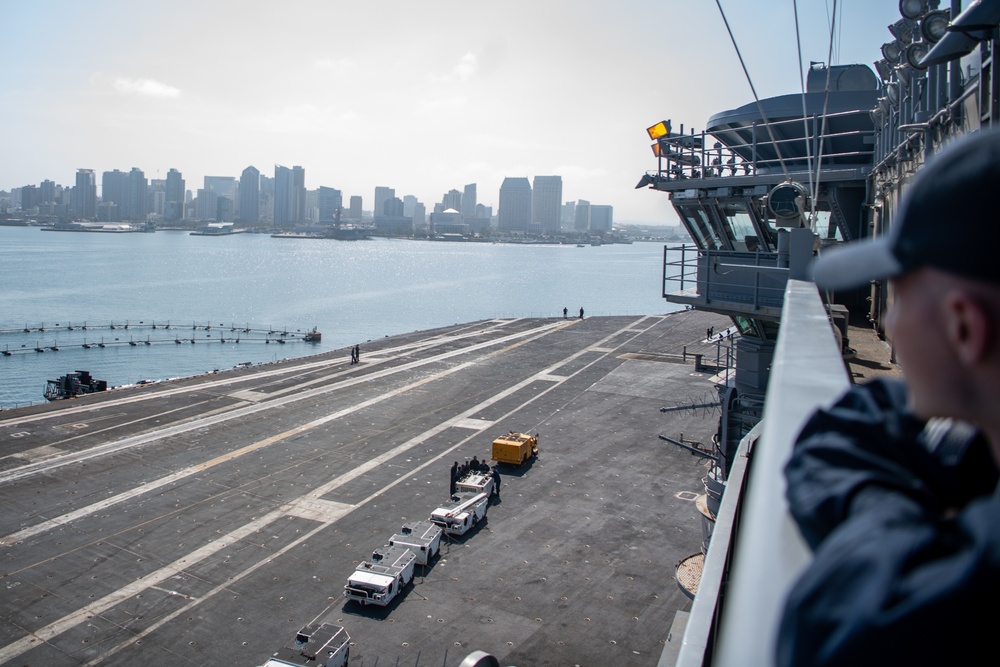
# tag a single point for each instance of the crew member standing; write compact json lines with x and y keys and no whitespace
{"x":496,"y":483}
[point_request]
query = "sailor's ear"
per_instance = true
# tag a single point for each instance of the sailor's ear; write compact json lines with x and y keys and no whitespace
{"x":969,"y":327}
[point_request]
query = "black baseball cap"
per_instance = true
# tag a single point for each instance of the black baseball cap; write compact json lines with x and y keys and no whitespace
{"x":949,"y":219}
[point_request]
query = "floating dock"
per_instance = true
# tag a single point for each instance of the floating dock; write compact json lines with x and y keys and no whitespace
{"x":206,"y":520}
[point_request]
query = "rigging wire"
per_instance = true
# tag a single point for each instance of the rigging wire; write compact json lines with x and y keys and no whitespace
{"x":746,"y":73}
{"x":826,"y":102}
{"x":805,"y":116}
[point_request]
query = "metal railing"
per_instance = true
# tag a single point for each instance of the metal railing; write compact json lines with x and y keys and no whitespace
{"x":741,"y":281}
{"x":689,"y":156}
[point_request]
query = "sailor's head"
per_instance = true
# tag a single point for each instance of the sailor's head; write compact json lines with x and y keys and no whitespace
{"x":941,"y":259}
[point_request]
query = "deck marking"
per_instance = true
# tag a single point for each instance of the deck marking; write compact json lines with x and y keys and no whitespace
{"x":178,"y":566}
{"x":37,"y":454}
{"x":250,"y":395}
{"x":474,"y":424}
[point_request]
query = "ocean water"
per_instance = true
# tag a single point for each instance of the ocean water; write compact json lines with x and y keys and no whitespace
{"x":351,"y":291}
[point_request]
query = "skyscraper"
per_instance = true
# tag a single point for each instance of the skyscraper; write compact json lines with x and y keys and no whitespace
{"x":581,"y":221}
{"x":114,"y":186}
{"x":298,"y":194}
{"x":356,"y":210}
{"x":469,"y":201}
{"x":382,"y":195}
{"x":135,"y":196}
{"x":515,"y":205}
{"x":173,"y":205}
{"x":283,"y":196}
{"x":452,"y":200}
{"x":85,"y":194}
{"x":330,"y":201}
{"x":600,"y":218}
{"x":546,"y":203}
{"x":250,"y":196}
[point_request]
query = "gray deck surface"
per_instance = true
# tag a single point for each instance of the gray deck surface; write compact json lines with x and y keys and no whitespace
{"x":203,"y":521}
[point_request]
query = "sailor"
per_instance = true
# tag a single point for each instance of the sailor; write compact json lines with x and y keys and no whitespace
{"x":475,"y":464}
{"x":565,"y":312}
{"x":581,"y":312}
{"x":454,"y":476}
{"x":902,"y":514}
{"x":496,"y":483}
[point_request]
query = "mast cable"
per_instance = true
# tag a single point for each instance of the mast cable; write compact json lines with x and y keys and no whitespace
{"x":805,"y":116}
{"x":760,"y":108}
{"x":826,"y":102}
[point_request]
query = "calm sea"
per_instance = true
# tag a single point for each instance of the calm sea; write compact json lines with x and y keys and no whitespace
{"x":351,"y":291}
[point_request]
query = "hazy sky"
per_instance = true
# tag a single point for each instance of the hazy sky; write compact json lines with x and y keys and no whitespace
{"x":419,"y":96}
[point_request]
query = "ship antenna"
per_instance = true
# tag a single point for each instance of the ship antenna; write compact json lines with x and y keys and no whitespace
{"x":760,"y":108}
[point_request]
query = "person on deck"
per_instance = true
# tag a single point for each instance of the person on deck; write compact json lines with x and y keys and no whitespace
{"x":902,"y":511}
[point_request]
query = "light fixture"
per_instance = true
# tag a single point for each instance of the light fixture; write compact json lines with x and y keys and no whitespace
{"x":661,"y":129}
{"x":915,"y":53}
{"x":892,"y":94}
{"x":913,"y":9}
{"x":883,"y":69}
{"x":972,"y":26}
{"x":892,"y":52}
{"x":934,"y":25}
{"x":902,"y":30}
{"x":883,"y":105}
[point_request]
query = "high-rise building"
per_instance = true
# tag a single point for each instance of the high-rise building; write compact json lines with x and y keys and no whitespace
{"x":85,"y":194}
{"x":135,"y":207}
{"x":48,"y":192}
{"x":356,"y":210}
{"x":173,"y":204}
{"x":158,"y":192}
{"x":581,"y":221}
{"x":330,"y":202}
{"x":298,"y":194}
{"x":409,"y":203}
{"x":114,"y":188}
{"x":382,"y":195}
{"x":568,"y":213}
{"x":206,"y":204}
{"x":515,"y":205}
{"x":469,"y":201}
{"x":223,"y":186}
{"x":283,"y":196}
{"x":600,"y":218}
{"x":250,"y":196}
{"x":30,"y":197}
{"x":452,"y":200}
{"x":546,"y":203}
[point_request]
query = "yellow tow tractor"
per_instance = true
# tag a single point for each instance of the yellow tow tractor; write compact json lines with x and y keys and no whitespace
{"x":515,"y":448}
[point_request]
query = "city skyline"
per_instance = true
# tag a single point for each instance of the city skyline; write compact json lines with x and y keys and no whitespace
{"x":396,"y":93}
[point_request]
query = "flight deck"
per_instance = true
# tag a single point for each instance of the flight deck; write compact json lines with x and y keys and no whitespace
{"x":204,"y":521}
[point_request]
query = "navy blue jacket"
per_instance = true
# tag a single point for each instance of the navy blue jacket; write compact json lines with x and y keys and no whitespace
{"x":906,"y":540}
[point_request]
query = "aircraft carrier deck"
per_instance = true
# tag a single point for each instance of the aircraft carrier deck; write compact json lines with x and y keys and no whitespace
{"x":203,"y":521}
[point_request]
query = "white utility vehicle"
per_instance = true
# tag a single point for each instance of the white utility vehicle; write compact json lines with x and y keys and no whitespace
{"x":423,"y":538}
{"x":463,"y":511}
{"x":379,"y":580}
{"x":315,"y":645}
